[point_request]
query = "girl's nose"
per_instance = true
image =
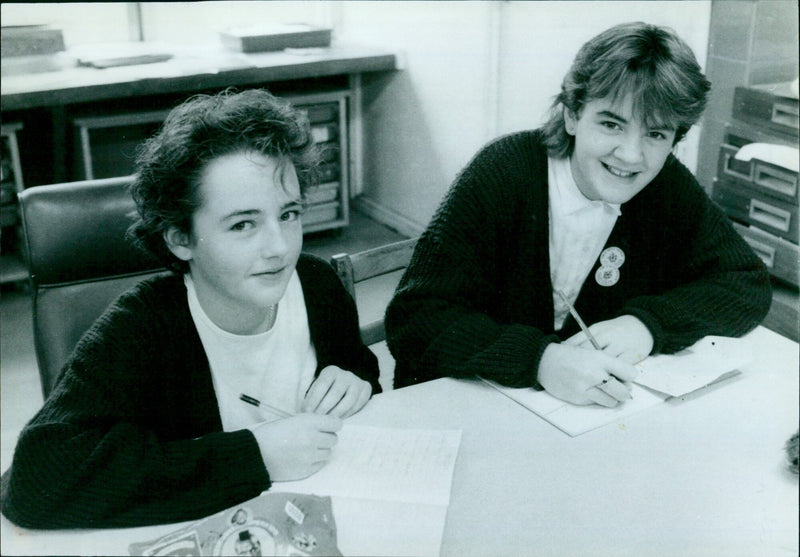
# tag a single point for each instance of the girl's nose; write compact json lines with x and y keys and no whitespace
{"x":273,"y":241}
{"x":629,"y":149}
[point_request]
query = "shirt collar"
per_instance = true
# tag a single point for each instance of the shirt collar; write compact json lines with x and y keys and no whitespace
{"x":571,"y":200}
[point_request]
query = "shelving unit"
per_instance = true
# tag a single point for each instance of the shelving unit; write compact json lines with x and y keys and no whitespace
{"x":752,"y":57}
{"x":12,"y":264}
{"x":761,"y":197}
{"x":105,"y":147}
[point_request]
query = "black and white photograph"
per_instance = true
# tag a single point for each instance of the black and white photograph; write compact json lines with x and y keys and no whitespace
{"x":402,"y":278}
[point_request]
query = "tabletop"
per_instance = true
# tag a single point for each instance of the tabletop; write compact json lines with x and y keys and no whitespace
{"x":701,"y":475}
{"x":191,"y":69}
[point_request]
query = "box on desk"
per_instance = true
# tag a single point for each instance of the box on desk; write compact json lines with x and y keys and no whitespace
{"x":262,"y":38}
{"x":30,"y":40}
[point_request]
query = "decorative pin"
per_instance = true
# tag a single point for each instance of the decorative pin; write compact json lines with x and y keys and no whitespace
{"x":612,"y":257}
{"x":607,"y":276}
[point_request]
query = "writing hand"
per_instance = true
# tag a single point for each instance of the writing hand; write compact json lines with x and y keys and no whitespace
{"x":625,"y":338}
{"x":337,"y":392}
{"x":584,"y":375}
{"x":296,"y":447}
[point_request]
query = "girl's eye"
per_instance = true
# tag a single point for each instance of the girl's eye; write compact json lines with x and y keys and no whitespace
{"x":611,"y":125}
{"x":243,"y":225}
{"x":657,"y":135}
{"x":291,"y":215}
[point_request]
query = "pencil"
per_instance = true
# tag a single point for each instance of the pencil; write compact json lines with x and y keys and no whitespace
{"x":577,"y":318}
{"x":258,"y":404}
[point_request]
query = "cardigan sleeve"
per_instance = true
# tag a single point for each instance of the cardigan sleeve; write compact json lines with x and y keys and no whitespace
{"x":120,"y":441}
{"x":715,"y":284}
{"x":449,"y":314}
{"x":333,"y":322}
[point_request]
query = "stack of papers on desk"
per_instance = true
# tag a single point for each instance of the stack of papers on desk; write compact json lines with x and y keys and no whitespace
{"x":390,"y":488}
{"x":709,"y":360}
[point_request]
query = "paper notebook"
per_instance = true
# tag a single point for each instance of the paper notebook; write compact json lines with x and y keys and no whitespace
{"x":709,"y":360}
{"x":381,"y":478}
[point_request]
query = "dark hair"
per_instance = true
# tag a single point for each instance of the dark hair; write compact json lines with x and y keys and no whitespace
{"x":650,"y":63}
{"x":204,"y":128}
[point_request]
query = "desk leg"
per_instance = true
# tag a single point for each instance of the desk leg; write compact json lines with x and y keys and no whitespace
{"x":355,"y":136}
{"x":60,"y":144}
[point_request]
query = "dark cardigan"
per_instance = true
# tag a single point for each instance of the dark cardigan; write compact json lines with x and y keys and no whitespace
{"x":477,"y":296}
{"x":131,"y":434}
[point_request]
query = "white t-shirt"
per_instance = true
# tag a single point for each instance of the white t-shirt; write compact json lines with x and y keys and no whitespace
{"x":276,"y":367}
{"x":579,"y":228}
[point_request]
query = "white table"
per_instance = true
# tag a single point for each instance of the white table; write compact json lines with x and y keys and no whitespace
{"x":704,"y":476}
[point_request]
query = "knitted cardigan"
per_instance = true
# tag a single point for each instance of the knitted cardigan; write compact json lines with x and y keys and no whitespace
{"x":131,"y":434}
{"x":477,"y":296}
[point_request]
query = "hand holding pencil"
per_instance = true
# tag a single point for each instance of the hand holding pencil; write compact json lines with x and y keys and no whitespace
{"x":583,"y":370}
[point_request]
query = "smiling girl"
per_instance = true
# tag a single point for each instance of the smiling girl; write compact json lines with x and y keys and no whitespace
{"x":593,"y":206}
{"x":146,"y":424}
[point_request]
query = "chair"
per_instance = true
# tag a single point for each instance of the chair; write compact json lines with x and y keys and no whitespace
{"x":79,"y":261}
{"x":358,"y":267}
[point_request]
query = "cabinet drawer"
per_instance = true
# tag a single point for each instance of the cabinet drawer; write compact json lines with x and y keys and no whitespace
{"x":770,"y":107}
{"x":749,"y":206}
{"x":782,"y":258}
{"x":768,"y":179}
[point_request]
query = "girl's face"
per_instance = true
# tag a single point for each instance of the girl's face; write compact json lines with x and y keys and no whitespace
{"x":616,"y":155}
{"x":245,"y":240}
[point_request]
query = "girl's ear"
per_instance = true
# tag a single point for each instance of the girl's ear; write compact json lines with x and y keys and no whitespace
{"x":178,"y":243}
{"x":570,"y":121}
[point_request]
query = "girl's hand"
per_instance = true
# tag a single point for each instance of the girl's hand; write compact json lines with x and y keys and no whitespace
{"x":296,"y":447}
{"x":625,"y":338}
{"x":336,"y":392}
{"x":585,"y":376}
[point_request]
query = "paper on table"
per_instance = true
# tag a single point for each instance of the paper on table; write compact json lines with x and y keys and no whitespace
{"x":708,"y":360}
{"x":405,"y":465}
{"x":572,"y":419}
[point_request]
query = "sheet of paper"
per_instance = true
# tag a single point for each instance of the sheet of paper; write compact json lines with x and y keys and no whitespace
{"x":404,"y":465}
{"x":575,"y":420}
{"x":708,"y":360}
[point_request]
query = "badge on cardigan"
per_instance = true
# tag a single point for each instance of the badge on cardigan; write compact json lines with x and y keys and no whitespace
{"x":611,"y":259}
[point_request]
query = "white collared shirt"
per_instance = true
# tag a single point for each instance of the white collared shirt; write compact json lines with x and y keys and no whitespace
{"x":579,"y":228}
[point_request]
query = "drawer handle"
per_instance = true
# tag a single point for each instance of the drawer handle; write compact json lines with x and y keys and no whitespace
{"x":763,"y":251}
{"x":769,"y":215}
{"x":785,"y":115}
{"x":776,"y":180}
{"x":727,"y":168}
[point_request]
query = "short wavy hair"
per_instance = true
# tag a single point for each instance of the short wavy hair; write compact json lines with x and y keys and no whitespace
{"x":202,"y":129}
{"x":652,"y":64}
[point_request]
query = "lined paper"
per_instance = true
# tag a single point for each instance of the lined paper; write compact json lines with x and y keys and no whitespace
{"x":403,"y":465}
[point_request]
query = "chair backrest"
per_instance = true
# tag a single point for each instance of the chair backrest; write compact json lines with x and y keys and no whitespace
{"x":79,"y":261}
{"x":357,"y":267}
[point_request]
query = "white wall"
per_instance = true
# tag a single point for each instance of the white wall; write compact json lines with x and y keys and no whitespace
{"x":473,"y":71}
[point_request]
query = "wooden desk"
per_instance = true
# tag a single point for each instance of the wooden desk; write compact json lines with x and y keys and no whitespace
{"x":186,"y":73}
{"x":703,"y":476}
{"x":49,"y":99}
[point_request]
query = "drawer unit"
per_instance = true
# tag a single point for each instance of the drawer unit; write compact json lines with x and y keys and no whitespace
{"x":768,"y":179}
{"x":769,"y":106}
{"x":752,"y":207}
{"x":106,"y":144}
{"x":782,"y":258}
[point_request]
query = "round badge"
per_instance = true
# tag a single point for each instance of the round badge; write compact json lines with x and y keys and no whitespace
{"x":612,"y":257}
{"x":607,"y":276}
